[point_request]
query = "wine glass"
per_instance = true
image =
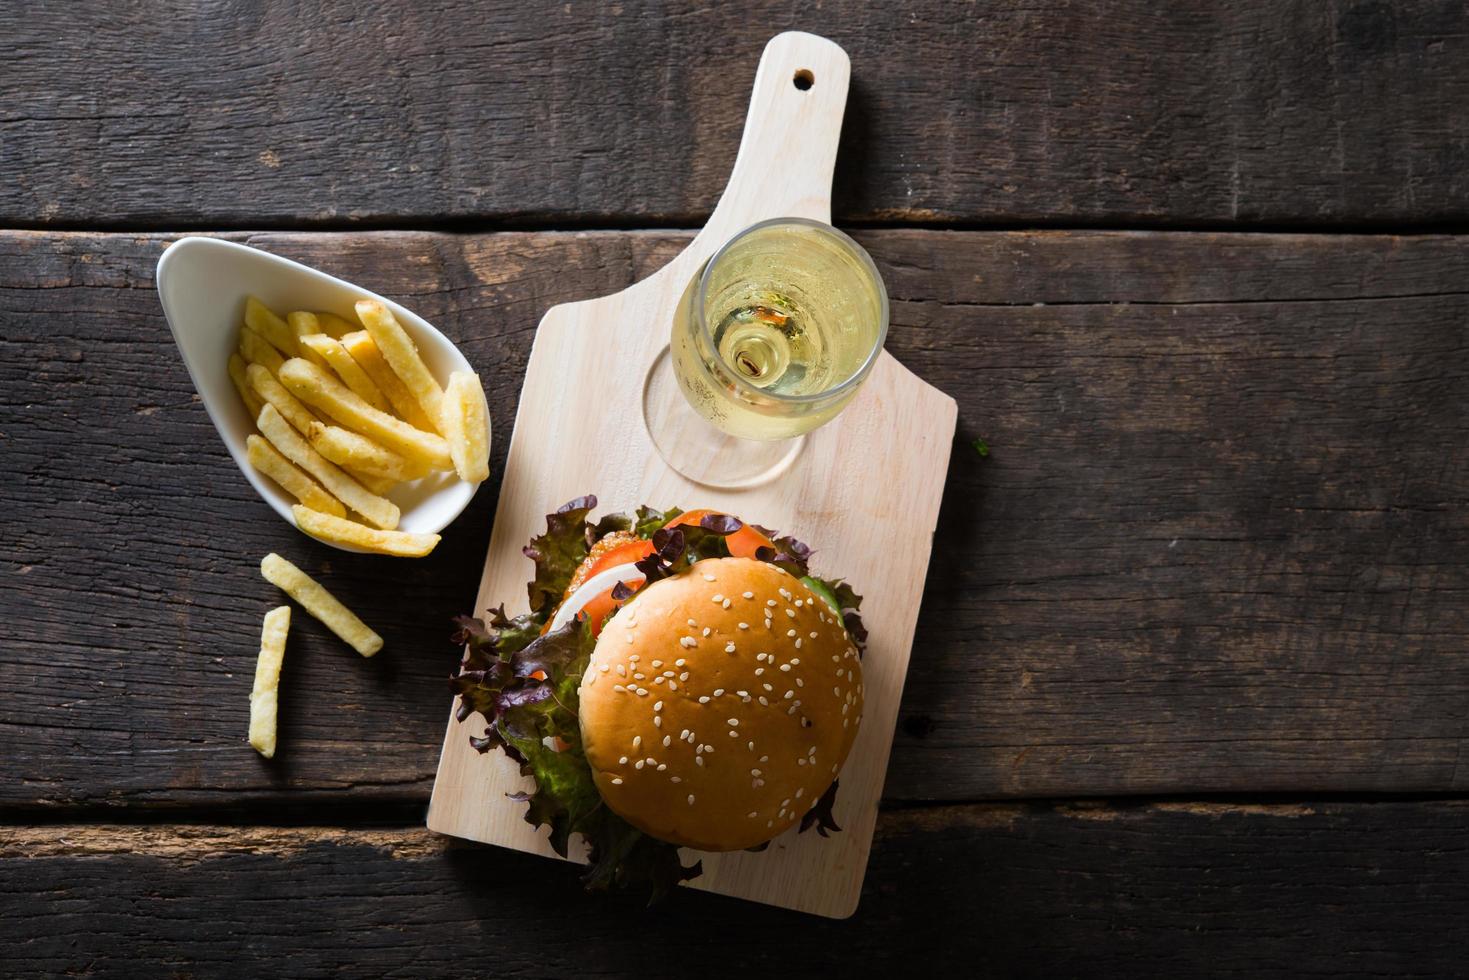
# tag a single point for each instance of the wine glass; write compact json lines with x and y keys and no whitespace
{"x":772,"y":338}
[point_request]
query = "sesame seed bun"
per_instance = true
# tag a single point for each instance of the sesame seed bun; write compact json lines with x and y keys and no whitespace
{"x":769,"y":697}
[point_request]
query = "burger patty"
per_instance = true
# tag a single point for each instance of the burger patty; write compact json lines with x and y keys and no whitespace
{"x":615,"y":539}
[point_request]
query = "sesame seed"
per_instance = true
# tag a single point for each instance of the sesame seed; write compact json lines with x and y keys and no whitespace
{"x":725,"y":604}
{"x":743,"y":694}
{"x":798,"y":603}
{"x":836,"y":691}
{"x":658,"y":680}
{"x":706,"y":631}
{"x":708,"y":578}
{"x":619,"y":688}
{"x":672,"y":685}
{"x":657,"y":721}
{"x":662,"y":766}
{"x":657,"y":664}
{"x":667,"y":741}
{"x":800,"y":761}
{"x":767,"y":624}
{"x":759,"y":671}
{"x":763,"y":701}
{"x":784,"y":593}
{"x":729,"y":648}
{"x":616,"y":780}
{"x":785,"y":802}
{"x":602,"y":668}
{"x":668,"y":673}
{"x":622,"y":761}
{"x":750,"y":746}
{"x":699,"y":750}
{"x":692,"y":623}
{"x":770,"y":602}
{"x":795,"y":661}
{"x":791,"y":613}
{"x":657,"y":705}
{"x":638,"y":764}
{"x":800,"y":792}
{"x":683,"y":734}
{"x":637,"y":741}
{"x":755,"y":773}
{"x":632,"y":658}
{"x":683,"y":677}
{"x":591,"y":680}
{"x":798,"y":643}
{"x":629,"y":639}
{"x":770,"y":823}
{"x":744,"y":626}
{"x":679,"y":663}
{"x":790,"y":694}
{"x":718,"y":691}
{"x":752,"y":813}
{"x":787,"y":667}
{"x":734,"y":722}
{"x":733,"y":733}
{"x":800,"y":682}
{"x":686,"y":641}
{"x":748,"y":595}
{"x":791,"y":710}
{"x":691,"y":799}
{"x":675,"y":779}
{"x":639,"y":677}
{"x":698,"y":760}
{"x":704,"y":699}
{"x":767,"y":687}
{"x":790,"y":632}
{"x":718,"y":597}
{"x":621,"y":671}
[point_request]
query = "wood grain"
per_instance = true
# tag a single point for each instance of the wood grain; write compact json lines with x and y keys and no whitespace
{"x":1128,"y":113}
{"x":1218,"y":544}
{"x":1297,"y":890}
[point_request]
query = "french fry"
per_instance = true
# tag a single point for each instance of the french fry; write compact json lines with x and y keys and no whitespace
{"x":339,"y":531}
{"x":334,"y":326}
{"x":268,"y":460}
{"x":379,"y":485}
{"x":347,"y":448}
{"x":320,"y":603}
{"x":255,"y":349}
{"x":466,"y":425}
{"x":258,"y":317}
{"x":268,"y":388}
{"x":401,"y":354}
{"x":364,"y":351}
{"x":264,"y":696}
{"x":379,"y":510}
{"x":242,"y":385}
{"x":302,"y":325}
{"x":322,"y":391}
{"x":331,"y":350}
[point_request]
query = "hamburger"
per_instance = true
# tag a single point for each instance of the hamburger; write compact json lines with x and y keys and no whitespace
{"x":681,"y":680}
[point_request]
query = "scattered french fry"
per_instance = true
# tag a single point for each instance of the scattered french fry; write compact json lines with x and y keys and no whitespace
{"x":264,"y":698}
{"x":268,"y":460}
{"x":379,"y":510}
{"x":242,"y":385}
{"x":334,"y":326}
{"x":322,"y":391}
{"x":320,"y":603}
{"x":466,"y":425}
{"x":268,"y":388}
{"x":255,"y":349}
{"x":402,"y":356}
{"x":347,"y":448}
{"x":339,"y":531}
{"x":365,"y":352}
{"x":258,"y":317}
{"x":330,"y":350}
{"x":303,"y":325}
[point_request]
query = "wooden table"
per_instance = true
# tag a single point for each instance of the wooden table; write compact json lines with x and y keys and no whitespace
{"x":1190,"y":690}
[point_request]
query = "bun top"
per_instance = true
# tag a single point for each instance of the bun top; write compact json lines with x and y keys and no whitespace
{"x":719,"y":705}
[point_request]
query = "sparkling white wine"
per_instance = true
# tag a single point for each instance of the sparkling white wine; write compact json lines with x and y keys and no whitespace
{"x":775,"y":334}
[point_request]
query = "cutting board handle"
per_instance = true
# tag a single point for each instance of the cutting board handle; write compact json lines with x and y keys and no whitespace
{"x":789,"y":147}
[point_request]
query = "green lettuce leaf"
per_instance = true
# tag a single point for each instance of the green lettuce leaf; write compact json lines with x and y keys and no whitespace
{"x":650,"y":520}
{"x":559,"y":551}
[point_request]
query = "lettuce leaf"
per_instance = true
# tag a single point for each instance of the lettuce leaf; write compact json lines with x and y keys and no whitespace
{"x":559,"y":551}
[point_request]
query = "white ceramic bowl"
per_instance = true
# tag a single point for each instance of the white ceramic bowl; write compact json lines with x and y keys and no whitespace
{"x":203,"y":283}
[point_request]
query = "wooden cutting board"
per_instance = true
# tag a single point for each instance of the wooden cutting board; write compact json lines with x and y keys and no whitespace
{"x":864,"y":491}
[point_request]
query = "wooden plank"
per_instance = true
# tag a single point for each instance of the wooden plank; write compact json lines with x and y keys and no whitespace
{"x":1313,"y":890}
{"x":1125,"y":113}
{"x":1218,"y":544}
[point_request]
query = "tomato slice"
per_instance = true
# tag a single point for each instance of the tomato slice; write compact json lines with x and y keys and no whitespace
{"x":623,"y":554}
{"x":742,"y":544}
{"x":599,"y":610}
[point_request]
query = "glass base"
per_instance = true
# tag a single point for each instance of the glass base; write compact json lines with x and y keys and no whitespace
{"x":698,"y":450}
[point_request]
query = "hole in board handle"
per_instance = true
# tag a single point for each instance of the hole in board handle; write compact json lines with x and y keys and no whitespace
{"x":803,"y":79}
